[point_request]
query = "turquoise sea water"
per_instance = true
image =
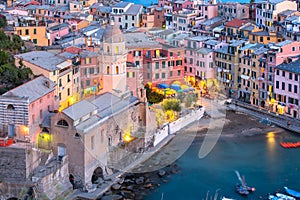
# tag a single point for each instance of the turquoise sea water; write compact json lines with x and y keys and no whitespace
{"x":149,"y":2}
{"x":261,"y":159}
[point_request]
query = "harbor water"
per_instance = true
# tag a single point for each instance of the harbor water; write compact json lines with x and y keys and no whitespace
{"x":265,"y":164}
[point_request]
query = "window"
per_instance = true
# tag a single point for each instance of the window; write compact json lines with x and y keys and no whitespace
{"x":157,"y":65}
{"x":261,"y":39}
{"x":157,"y":75}
{"x":163,"y":75}
{"x":88,"y":60}
{"x":293,"y":49}
{"x":41,"y":114}
{"x":126,"y":17}
{"x":290,"y":76}
{"x":26,"y":32}
{"x":283,"y":73}
{"x":283,"y":86}
{"x":107,"y":70}
{"x":296,"y":77}
{"x":34,"y":41}
{"x":59,"y":83}
{"x":178,"y":72}
{"x":88,"y":82}
{"x":62,"y":122}
{"x":68,"y":91}
{"x":163,"y":64}
{"x":171,"y":73}
{"x":59,"y":96}
{"x":92,"y":143}
{"x":277,"y":72}
{"x":11,"y":107}
{"x":178,"y":54}
{"x":132,"y":17}
{"x":171,"y":54}
{"x":34,"y":31}
{"x":119,"y":19}
{"x":295,"y":89}
{"x":68,"y":77}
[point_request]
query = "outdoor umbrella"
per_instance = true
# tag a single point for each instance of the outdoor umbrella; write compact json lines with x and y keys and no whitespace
{"x":163,"y":86}
{"x":175,"y":87}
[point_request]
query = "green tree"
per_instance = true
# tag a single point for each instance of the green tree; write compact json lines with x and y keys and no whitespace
{"x":171,"y":104}
{"x":154,"y":97}
{"x":3,"y":21}
{"x":189,"y":100}
{"x":3,"y":57}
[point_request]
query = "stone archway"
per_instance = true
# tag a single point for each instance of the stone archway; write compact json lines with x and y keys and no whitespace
{"x":98,"y":173}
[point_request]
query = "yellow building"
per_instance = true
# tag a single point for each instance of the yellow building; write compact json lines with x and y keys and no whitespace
{"x":31,"y":30}
{"x":57,"y":69}
{"x":264,"y":37}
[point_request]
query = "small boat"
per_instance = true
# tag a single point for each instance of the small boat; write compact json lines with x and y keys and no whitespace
{"x":224,"y":198}
{"x":285,"y":197}
{"x":242,"y":188}
{"x":292,"y":192}
{"x":290,"y":144}
{"x":273,"y":197}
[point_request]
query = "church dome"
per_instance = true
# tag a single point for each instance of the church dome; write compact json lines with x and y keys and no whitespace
{"x":112,"y":33}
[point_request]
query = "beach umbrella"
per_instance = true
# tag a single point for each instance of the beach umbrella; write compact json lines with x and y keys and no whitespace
{"x":184,"y":87}
{"x":175,"y":87}
{"x":186,"y":90}
{"x":163,"y":86}
{"x":179,"y":91}
{"x":177,"y":82}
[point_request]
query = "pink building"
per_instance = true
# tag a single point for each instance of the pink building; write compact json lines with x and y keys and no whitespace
{"x":179,"y":5}
{"x":278,"y":53}
{"x":286,"y":88}
{"x":24,"y":108}
{"x":207,"y":11}
{"x":56,"y":32}
{"x":134,"y":78}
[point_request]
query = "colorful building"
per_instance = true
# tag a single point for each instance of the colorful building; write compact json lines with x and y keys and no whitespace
{"x":57,"y":69}
{"x":24,"y":108}
{"x":286,"y":88}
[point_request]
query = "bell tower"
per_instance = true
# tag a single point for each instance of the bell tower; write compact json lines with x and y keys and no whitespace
{"x":113,"y":60}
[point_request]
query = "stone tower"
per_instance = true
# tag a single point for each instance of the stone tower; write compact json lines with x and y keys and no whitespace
{"x":113,"y":58}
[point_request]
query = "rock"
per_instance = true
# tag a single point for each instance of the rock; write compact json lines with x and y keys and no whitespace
{"x":112,"y":197}
{"x":127,"y":194}
{"x":107,"y":193}
{"x":129,"y":181}
{"x":116,"y":186}
{"x":121,"y":180}
{"x":165,"y":181}
{"x":148,"y":180}
{"x":149,"y":185}
{"x":139,"y":181}
{"x":129,"y":187}
{"x":161,"y":173}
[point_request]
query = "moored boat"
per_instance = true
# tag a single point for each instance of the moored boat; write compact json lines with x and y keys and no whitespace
{"x":273,"y":197}
{"x":242,"y":188}
{"x":290,"y":144}
{"x":224,"y":198}
{"x":285,"y":197}
{"x":292,"y":192}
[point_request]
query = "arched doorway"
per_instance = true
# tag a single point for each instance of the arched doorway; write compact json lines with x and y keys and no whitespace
{"x":98,"y":173}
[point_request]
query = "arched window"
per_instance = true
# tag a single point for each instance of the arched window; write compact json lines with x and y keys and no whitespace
{"x":109,"y":141}
{"x":107,"y":48}
{"x":62,"y":122}
{"x":107,"y":70}
{"x":117,"y":69}
{"x":10,"y":107}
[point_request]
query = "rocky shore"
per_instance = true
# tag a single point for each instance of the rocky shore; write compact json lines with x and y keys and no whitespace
{"x":139,"y":185}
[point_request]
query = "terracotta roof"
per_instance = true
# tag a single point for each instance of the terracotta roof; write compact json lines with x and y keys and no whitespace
{"x":235,"y":23}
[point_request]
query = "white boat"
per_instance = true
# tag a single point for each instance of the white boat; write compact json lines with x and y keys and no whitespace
{"x":273,"y":197}
{"x":224,"y":198}
{"x":284,"y":197}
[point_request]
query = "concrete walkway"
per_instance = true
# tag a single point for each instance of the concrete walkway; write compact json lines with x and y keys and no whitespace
{"x":279,"y":120}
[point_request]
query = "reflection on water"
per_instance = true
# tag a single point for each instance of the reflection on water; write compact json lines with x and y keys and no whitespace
{"x":271,"y":142}
{"x":265,"y":164}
